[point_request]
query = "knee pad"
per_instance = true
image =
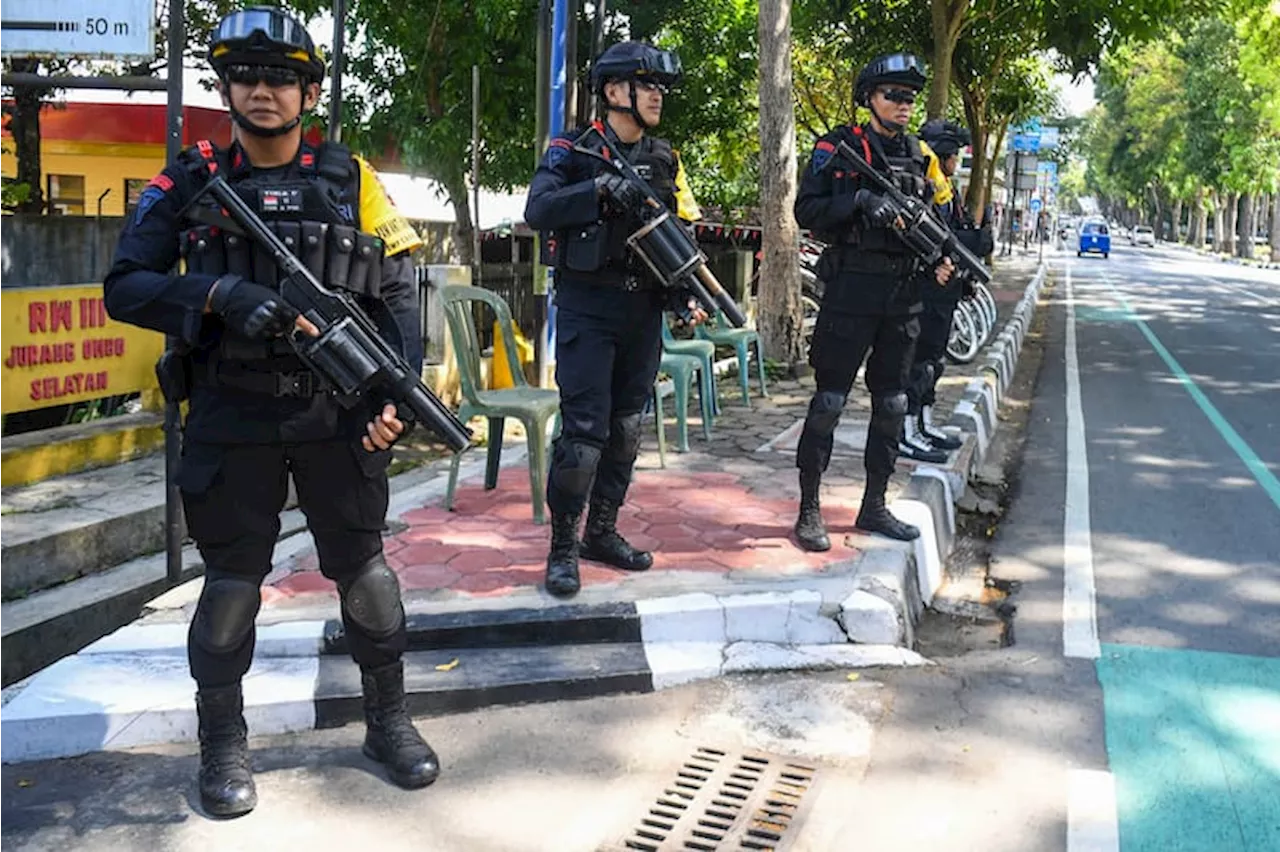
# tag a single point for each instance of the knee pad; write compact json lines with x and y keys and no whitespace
{"x":224,"y":616}
{"x":887,"y":412}
{"x":371,"y":598}
{"x":624,"y":435}
{"x":824,"y":412}
{"x":575,"y":465}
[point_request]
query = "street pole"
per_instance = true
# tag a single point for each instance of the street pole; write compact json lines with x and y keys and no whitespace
{"x":475,"y":175}
{"x":542,"y":105}
{"x":335,"y":81}
{"x":173,"y":523}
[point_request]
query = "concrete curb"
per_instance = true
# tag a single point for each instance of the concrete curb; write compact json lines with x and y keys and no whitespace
{"x":133,"y":688}
{"x":929,"y":500}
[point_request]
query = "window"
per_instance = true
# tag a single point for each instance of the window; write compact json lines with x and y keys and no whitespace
{"x":66,"y":195}
{"x":132,"y":192}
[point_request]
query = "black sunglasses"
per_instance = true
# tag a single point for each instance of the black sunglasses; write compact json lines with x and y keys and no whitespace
{"x":272,"y":75}
{"x":899,"y":96}
{"x":650,"y":85}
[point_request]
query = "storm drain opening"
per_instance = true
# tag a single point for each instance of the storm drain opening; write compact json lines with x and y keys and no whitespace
{"x":723,"y":801}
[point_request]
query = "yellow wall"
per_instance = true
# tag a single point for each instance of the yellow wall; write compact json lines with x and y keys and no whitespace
{"x":103,"y":166}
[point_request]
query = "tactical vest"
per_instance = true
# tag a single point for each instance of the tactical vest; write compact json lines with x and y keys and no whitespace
{"x":909,"y":172}
{"x":313,"y":206}
{"x":600,"y":248}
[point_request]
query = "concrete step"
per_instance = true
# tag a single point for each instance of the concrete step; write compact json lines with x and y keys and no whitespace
{"x":81,"y":523}
{"x":133,"y":688}
{"x":37,"y":456}
{"x":49,"y":624}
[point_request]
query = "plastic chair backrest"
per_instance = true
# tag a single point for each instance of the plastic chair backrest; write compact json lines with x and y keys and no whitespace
{"x":458,"y":303}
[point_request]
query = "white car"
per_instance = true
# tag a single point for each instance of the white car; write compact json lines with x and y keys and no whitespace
{"x":1142,"y":235}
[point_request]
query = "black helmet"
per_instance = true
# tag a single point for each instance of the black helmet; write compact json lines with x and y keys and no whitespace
{"x":905,"y":69}
{"x":629,"y":59}
{"x":945,"y":137}
{"x":264,"y":35}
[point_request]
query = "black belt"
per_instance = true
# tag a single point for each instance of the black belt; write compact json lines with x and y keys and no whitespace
{"x":301,"y":384}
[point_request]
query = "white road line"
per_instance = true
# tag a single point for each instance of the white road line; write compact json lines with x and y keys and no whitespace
{"x":1091,"y":811}
{"x":1079,"y":597}
{"x":1230,"y":284}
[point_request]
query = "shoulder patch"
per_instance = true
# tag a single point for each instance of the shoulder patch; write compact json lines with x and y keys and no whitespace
{"x":557,"y":152}
{"x":152,"y":194}
{"x":822,"y":155}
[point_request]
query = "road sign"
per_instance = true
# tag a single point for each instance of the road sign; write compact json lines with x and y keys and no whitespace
{"x":1048,"y":167}
{"x":1035,"y":205}
{"x":1049,"y":137}
{"x":1026,"y":142}
{"x":121,"y":29}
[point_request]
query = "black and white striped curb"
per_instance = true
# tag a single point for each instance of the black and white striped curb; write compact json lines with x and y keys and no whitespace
{"x":932,"y":492}
{"x":133,"y":688}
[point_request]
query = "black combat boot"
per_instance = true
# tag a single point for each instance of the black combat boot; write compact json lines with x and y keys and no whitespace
{"x":938,"y":439}
{"x":601,"y":541}
{"x":392,"y":739}
{"x":226,"y":781}
{"x":562,"y":561}
{"x":810,"y":531}
{"x":913,"y":445}
{"x":874,"y":516}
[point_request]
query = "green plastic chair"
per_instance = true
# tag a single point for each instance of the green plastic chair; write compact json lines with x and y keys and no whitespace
{"x":704,"y":350}
{"x":723,"y":334}
{"x":681,"y":369}
{"x":534,"y":407}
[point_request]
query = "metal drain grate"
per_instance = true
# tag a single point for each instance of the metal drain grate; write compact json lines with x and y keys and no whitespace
{"x":723,"y":801}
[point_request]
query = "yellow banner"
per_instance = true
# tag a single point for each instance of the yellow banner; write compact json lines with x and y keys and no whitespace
{"x":61,"y":347}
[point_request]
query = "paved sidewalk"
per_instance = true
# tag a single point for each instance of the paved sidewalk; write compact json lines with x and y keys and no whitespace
{"x":726,"y":507}
{"x":729,"y":592}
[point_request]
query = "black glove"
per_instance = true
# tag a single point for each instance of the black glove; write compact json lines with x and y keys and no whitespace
{"x":251,"y":310}
{"x":967,"y":288}
{"x":878,"y":209}
{"x":617,"y":194}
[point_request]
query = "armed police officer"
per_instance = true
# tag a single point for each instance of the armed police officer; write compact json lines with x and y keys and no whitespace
{"x":256,"y":414}
{"x":921,"y":439}
{"x":872,"y":293}
{"x":609,"y":305}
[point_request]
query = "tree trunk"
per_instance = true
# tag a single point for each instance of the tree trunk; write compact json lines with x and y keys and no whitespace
{"x":1248,"y":226}
{"x":1200,"y":228}
{"x":1157,"y":214}
{"x":1231,"y":215}
{"x":946,"y":32}
{"x":778,"y":316}
{"x":25,"y":127}
{"x":1275,"y":228}
{"x":1219,"y":221}
{"x":1177,"y":220}
{"x":975,"y":196}
{"x":991,"y":170}
{"x":456,"y":187}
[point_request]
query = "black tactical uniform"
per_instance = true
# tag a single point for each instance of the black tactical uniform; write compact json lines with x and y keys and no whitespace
{"x":257,"y":415}
{"x":921,"y":439}
{"x":609,"y":315}
{"x":870,"y":303}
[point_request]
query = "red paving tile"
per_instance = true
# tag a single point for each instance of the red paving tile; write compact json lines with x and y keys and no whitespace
{"x":470,"y":561}
{"x":704,"y":522}
{"x":427,"y":554}
{"x":305,"y":581}
{"x":427,"y":577}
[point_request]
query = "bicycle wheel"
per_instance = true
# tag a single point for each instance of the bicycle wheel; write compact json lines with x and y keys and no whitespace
{"x":987,"y":302}
{"x":964,"y":342}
